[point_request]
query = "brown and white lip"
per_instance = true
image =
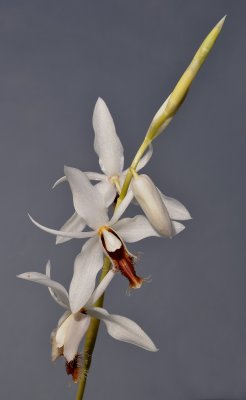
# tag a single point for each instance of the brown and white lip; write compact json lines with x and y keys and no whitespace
{"x":122,"y":260}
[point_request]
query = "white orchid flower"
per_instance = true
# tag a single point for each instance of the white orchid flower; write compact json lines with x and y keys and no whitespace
{"x":72,"y":327}
{"x":107,"y":236}
{"x":109,"y":149}
{"x":160,"y":210}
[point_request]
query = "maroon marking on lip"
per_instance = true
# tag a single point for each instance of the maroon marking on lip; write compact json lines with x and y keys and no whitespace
{"x":124,"y":262}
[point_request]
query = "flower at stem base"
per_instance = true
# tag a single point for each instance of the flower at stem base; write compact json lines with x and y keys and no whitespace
{"x":72,"y":327}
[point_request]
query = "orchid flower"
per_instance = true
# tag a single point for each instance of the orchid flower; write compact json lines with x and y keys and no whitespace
{"x":110,"y":151}
{"x":72,"y":326}
{"x":107,"y":236}
{"x":111,"y":160}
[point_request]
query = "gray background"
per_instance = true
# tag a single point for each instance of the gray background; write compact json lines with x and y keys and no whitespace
{"x":57,"y":57}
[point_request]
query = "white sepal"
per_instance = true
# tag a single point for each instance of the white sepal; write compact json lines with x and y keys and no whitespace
{"x":123,"y":329}
{"x":107,"y":190}
{"x":177,"y":227}
{"x":122,"y":207}
{"x":107,"y":143}
{"x":134,"y":229}
{"x":176,"y":210}
{"x":74,"y":224}
{"x":93,"y":176}
{"x":73,"y":235}
{"x":53,"y":292}
{"x":60,"y":293}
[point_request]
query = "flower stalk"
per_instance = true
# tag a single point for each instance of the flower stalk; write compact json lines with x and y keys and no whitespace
{"x":167,"y":111}
{"x":160,"y":121}
{"x":91,"y":337}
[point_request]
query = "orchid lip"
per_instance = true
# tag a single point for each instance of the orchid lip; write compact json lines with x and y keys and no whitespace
{"x":122,"y":260}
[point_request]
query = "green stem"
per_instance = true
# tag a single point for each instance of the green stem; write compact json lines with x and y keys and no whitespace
{"x":160,"y":121}
{"x":91,"y":338}
{"x":133,"y":166}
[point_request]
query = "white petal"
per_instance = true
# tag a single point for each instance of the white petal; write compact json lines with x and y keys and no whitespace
{"x":57,"y":351}
{"x":93,"y":176}
{"x":177,"y":227}
{"x":88,"y":202}
{"x":176,"y":210}
{"x":74,"y":224}
{"x":74,"y":235}
{"x":86,"y":266}
{"x":123,"y":329}
{"x":108,"y":192}
{"x":61,"y":331}
{"x":98,"y":292}
{"x":152,"y":205}
{"x":63,"y":318}
{"x":60,"y":293}
{"x":134,"y":229}
{"x":122,"y":207}
{"x":75,"y":331}
{"x":145,"y":159}
{"x":107,"y":144}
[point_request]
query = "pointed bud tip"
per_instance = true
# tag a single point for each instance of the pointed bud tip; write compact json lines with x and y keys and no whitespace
{"x":221,"y":22}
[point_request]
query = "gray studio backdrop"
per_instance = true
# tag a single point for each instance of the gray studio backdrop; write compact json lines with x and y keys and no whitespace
{"x":57,"y":57}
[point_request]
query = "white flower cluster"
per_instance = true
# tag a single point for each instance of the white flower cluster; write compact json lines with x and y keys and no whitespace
{"x":108,"y":236}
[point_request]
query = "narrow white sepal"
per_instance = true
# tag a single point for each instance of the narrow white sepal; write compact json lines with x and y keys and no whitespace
{"x":93,"y":176}
{"x":59,"y":181}
{"x":122,"y":207}
{"x":72,"y":235}
{"x":74,"y":224}
{"x":123,"y":329}
{"x":60,"y":293}
{"x":53,"y":292}
{"x":107,"y":144}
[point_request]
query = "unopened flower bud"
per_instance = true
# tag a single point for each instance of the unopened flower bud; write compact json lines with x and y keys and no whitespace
{"x":152,"y":205}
